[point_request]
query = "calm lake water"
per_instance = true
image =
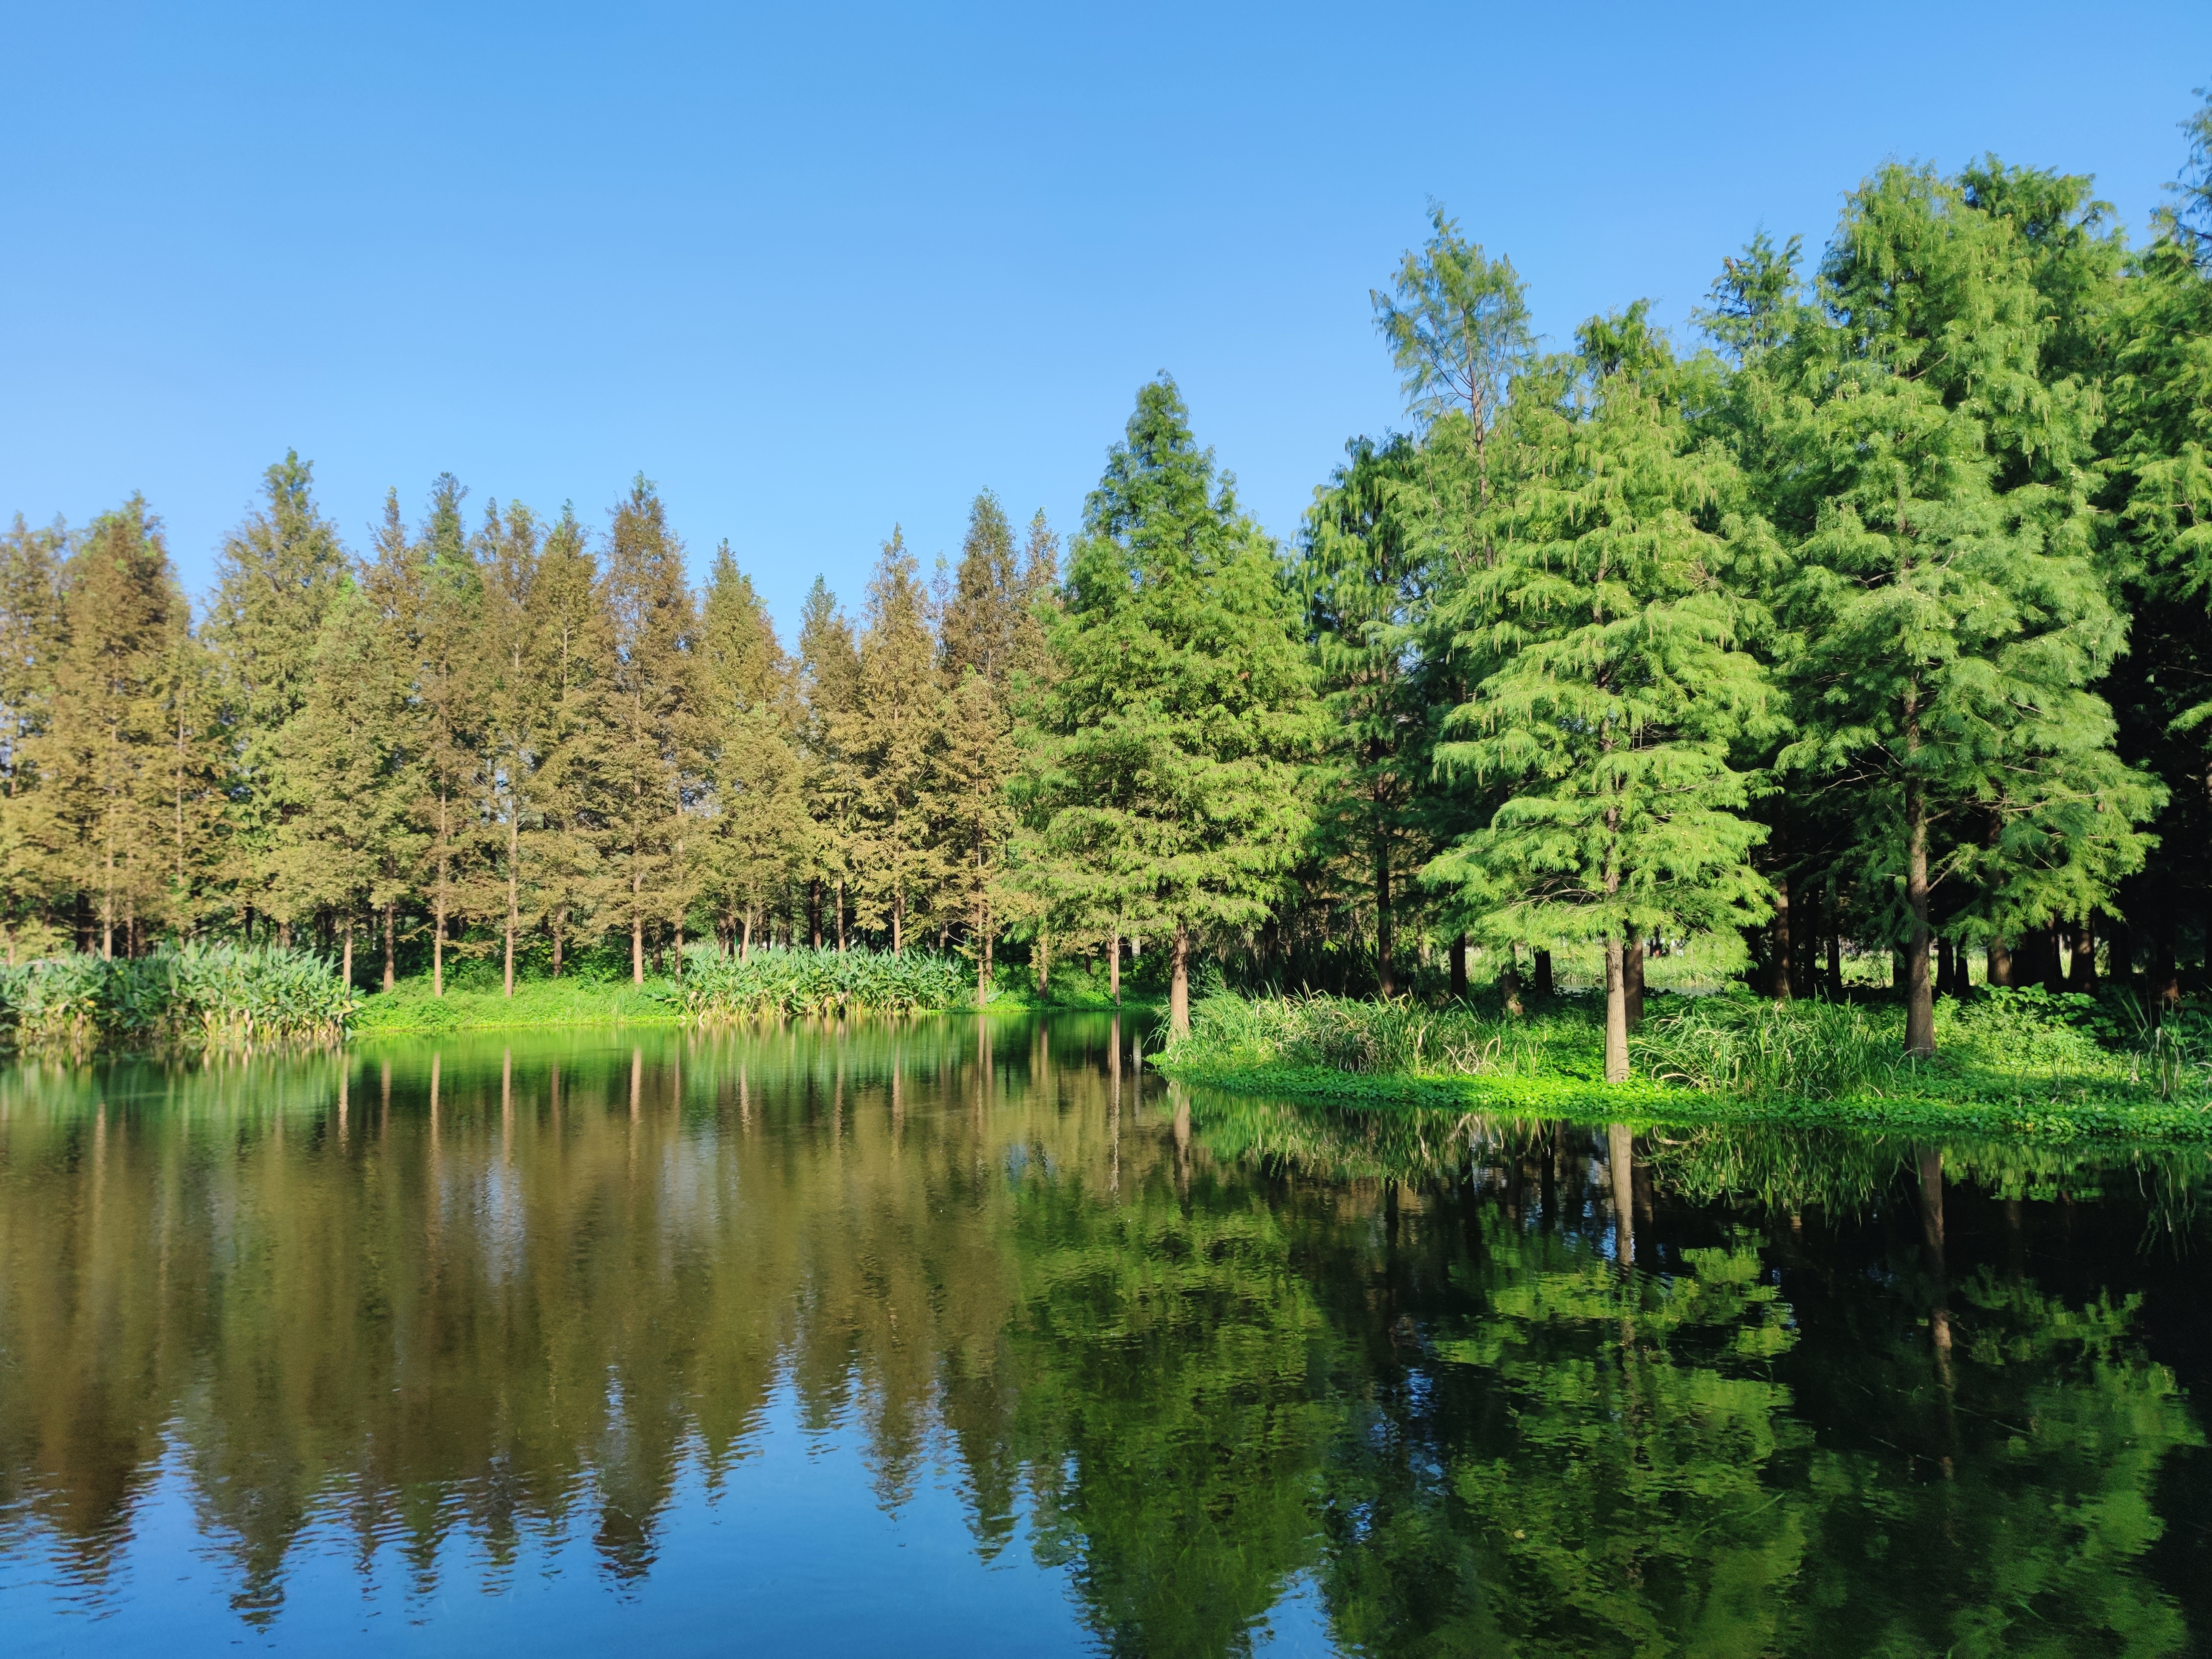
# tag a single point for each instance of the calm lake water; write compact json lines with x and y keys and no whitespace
{"x":935,"y":1339}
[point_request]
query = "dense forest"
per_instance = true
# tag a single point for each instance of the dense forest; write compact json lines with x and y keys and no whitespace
{"x":1874,"y":621}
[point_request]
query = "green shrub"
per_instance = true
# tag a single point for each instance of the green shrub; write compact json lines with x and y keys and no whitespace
{"x":802,"y":981}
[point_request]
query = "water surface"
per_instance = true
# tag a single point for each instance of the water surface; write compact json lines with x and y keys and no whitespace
{"x":943,"y":1338}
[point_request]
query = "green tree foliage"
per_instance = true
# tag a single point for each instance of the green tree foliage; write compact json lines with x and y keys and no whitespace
{"x":759,"y":838}
{"x":1931,"y":481}
{"x":1180,"y":710}
{"x":1619,"y":680}
{"x":888,"y":742}
{"x":651,"y":757}
{"x":98,"y":820}
{"x":274,"y":578}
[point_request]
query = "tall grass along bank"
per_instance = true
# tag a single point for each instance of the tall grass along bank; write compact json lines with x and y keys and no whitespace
{"x":198,"y":996}
{"x":802,"y":981}
{"x":2010,"y":1062}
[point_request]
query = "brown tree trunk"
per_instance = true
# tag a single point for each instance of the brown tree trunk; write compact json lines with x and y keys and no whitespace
{"x":1616,"y":1011}
{"x":391,"y":943}
{"x":841,"y":916}
{"x":637,"y":919}
{"x":1459,"y":966}
{"x":2084,"y":975}
{"x":1999,"y":958}
{"x":1113,"y":968}
{"x":1944,"y":968}
{"x":1782,"y":948}
{"x":1919,"y":994}
{"x":346,"y":970}
{"x":814,"y":910}
{"x":1386,"y":979}
{"x":1631,"y":976}
{"x":513,"y":898}
{"x":1179,"y":983}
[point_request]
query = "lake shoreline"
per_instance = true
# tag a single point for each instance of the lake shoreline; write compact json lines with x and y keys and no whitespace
{"x":1644,"y":1102}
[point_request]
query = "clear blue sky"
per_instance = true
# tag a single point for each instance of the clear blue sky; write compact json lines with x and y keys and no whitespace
{"x":820,"y":269}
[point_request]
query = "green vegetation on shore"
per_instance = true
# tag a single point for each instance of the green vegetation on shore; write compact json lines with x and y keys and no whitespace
{"x":193,"y":996}
{"x":713,"y":987}
{"x":2010,"y":1062}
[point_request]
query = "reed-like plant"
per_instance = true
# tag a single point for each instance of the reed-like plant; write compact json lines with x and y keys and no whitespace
{"x":1752,"y":1049}
{"x":715,"y":987}
{"x":191,"y":995}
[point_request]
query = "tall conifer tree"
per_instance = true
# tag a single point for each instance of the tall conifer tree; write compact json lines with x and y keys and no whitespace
{"x":651,"y":753}
{"x":1181,"y":709}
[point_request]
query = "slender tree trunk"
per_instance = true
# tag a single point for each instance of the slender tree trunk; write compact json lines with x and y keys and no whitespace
{"x":2084,"y":965}
{"x":1616,"y":1011}
{"x":1044,"y":962}
{"x":1385,"y":976}
{"x":636,"y":921}
{"x":107,"y":909}
{"x":1179,"y":983}
{"x":841,"y":916}
{"x":2165,"y":986}
{"x":1542,"y":974}
{"x":391,"y":944}
{"x":1804,"y":967}
{"x":1113,"y":968}
{"x":514,"y":899}
{"x":2000,"y":963}
{"x":814,"y":910}
{"x":346,"y":971}
{"x":1919,"y":994}
{"x":1459,"y":966}
{"x":898,"y":921}
{"x":1632,"y":977}
{"x":1778,"y":982}
{"x":560,"y":927}
{"x":1510,"y":981}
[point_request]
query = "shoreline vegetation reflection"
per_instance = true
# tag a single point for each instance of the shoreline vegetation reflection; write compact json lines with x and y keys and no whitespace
{"x":1465,"y":1383}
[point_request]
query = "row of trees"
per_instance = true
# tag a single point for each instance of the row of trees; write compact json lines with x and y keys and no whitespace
{"x":1880,"y":616}
{"x":502,"y":738}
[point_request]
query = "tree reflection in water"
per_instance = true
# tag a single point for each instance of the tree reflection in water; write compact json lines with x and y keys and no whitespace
{"x":1480,"y":1386}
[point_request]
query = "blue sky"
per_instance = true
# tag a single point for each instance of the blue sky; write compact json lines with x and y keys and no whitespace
{"x":819,"y":270}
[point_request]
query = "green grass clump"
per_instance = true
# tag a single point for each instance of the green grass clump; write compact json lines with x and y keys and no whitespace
{"x":193,"y":995}
{"x":802,"y":981}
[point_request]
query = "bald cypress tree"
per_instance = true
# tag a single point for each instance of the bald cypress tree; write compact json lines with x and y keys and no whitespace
{"x":31,"y":632}
{"x":650,"y":757}
{"x":570,"y":631}
{"x":275,"y":577}
{"x":830,"y":692}
{"x":1170,"y":740}
{"x":1618,"y":681}
{"x":1929,"y":465}
{"x":758,"y":839}
{"x":100,"y":816}
{"x":343,"y":752}
{"x":889,"y":740}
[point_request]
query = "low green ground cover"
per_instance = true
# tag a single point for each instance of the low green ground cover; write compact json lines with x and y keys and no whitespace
{"x":2006,"y":1061}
